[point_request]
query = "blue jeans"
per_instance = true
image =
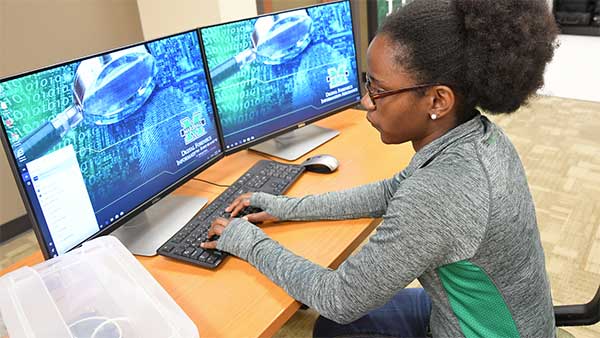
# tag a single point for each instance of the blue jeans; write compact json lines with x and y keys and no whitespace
{"x":405,"y":315}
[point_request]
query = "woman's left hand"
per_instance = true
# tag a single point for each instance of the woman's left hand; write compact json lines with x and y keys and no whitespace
{"x":216,"y":228}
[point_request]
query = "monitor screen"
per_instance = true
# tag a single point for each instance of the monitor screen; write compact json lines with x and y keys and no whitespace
{"x":95,"y":141}
{"x":276,"y":72}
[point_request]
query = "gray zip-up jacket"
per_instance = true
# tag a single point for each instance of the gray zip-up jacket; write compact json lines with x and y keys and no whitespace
{"x":460,"y":219}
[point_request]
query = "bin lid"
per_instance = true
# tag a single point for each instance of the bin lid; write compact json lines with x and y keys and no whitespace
{"x":99,"y":290}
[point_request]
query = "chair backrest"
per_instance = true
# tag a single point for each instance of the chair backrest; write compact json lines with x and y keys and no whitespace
{"x":580,"y":314}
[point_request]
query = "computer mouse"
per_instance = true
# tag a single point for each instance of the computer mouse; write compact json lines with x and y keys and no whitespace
{"x":321,"y":164}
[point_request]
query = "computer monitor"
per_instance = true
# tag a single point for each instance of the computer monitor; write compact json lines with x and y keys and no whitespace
{"x":96,"y":141}
{"x":278,"y":72}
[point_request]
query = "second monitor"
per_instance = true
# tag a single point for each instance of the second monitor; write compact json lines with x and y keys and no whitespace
{"x":274,"y":73}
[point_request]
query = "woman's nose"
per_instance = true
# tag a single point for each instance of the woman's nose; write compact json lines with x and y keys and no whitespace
{"x":367,"y":102}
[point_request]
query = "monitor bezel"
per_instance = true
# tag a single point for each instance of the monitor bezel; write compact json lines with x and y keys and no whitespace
{"x":266,"y":137}
{"x":12,"y":161}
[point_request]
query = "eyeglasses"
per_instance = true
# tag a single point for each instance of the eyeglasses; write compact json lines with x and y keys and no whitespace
{"x":374,"y":95}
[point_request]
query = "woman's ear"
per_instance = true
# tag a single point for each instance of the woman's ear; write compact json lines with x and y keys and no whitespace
{"x":442,"y":100}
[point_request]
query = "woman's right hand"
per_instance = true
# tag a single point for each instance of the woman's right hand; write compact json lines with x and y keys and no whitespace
{"x":243,"y":201}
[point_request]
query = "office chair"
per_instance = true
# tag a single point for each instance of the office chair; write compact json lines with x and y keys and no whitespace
{"x":579,"y":314}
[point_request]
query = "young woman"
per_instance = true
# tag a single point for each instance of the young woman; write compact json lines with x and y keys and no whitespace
{"x":460,"y":217}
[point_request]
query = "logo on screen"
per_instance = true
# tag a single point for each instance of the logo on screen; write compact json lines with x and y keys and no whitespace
{"x":337,"y":76}
{"x":193,"y":128}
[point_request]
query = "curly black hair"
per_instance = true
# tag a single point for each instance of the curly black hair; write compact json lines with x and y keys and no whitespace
{"x":492,"y":53}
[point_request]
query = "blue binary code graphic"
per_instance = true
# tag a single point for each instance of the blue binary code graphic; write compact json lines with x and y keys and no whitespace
{"x":261,"y":97}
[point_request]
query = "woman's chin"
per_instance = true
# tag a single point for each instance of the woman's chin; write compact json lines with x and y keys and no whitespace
{"x":384,"y":139}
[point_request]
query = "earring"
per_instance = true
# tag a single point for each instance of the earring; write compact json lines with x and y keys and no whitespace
{"x":433,"y":116}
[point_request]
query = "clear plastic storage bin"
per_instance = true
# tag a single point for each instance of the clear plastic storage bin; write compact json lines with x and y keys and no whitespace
{"x":97,"y":291}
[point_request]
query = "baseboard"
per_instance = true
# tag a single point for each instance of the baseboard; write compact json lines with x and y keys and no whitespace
{"x":13,"y":228}
{"x":581,"y":30}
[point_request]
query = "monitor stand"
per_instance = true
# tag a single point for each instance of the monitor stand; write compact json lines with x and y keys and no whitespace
{"x":296,"y":143}
{"x":146,"y":232}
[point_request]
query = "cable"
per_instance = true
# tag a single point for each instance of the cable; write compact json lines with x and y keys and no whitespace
{"x":111,"y":321}
{"x":209,"y":182}
{"x":104,"y":322}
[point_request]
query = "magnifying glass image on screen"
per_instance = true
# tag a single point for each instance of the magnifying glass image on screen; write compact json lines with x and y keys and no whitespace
{"x":107,"y":89}
{"x":276,"y":39}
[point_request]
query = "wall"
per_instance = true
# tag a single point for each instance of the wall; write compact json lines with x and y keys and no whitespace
{"x":241,"y":9}
{"x":574,"y":72}
{"x":280,"y":5}
{"x":37,"y":33}
{"x":11,"y":206}
{"x":160,"y":17}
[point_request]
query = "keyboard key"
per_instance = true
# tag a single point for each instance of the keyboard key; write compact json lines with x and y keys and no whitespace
{"x":167,"y":247}
{"x":196,"y":253}
{"x":188,"y":252}
{"x":211,"y":259}
{"x":203,"y":256}
{"x":179,"y":250}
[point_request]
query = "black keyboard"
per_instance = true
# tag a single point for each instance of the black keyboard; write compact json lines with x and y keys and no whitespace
{"x":265,"y":176}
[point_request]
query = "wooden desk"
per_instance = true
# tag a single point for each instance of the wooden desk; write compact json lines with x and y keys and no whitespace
{"x":235,"y":300}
